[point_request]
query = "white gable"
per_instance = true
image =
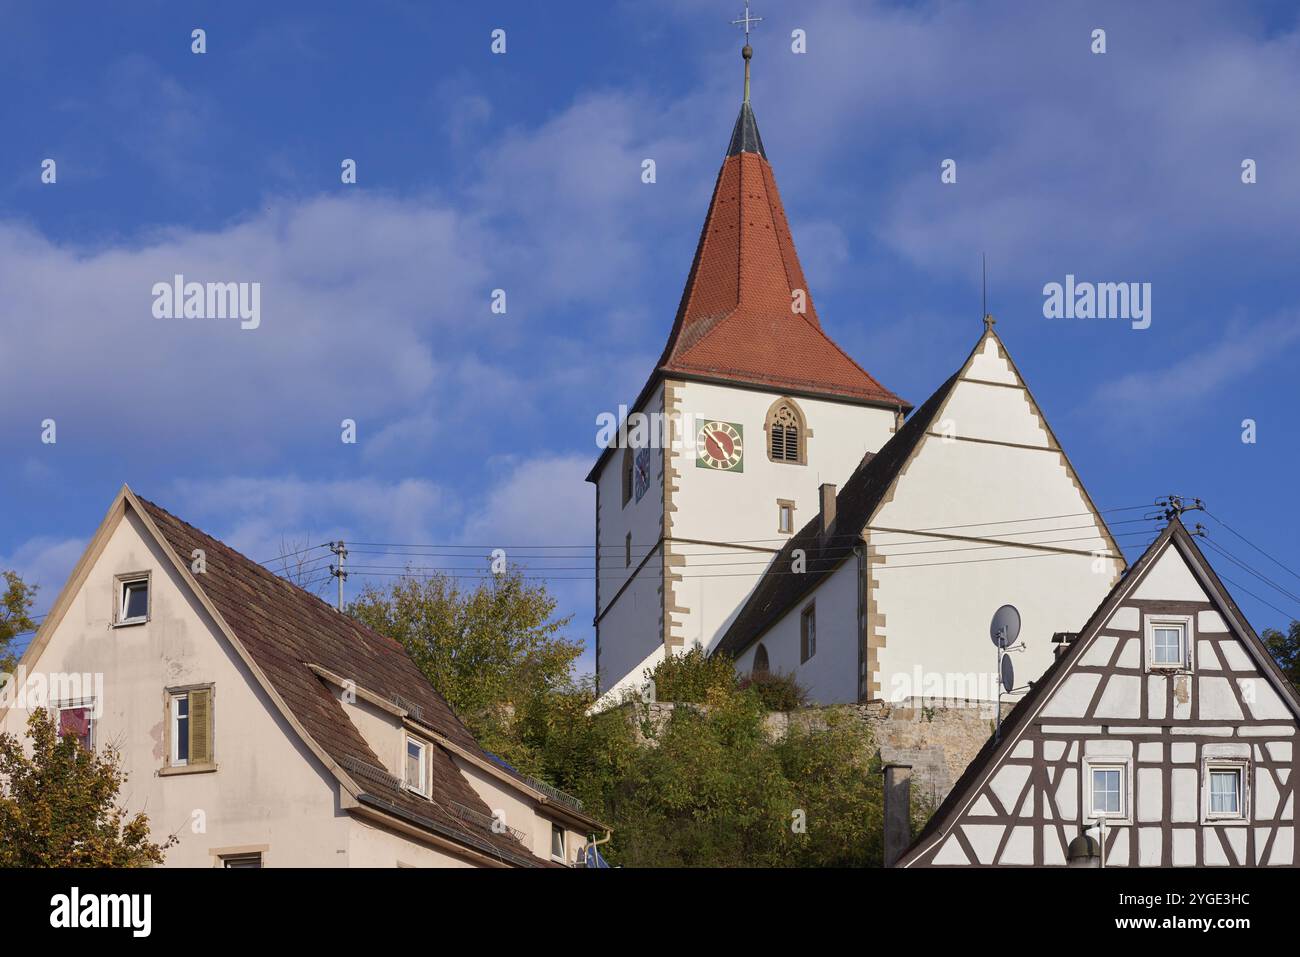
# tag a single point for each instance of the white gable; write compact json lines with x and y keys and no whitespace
{"x":1171,"y":580}
{"x":989,"y":364}
{"x":987,"y":471}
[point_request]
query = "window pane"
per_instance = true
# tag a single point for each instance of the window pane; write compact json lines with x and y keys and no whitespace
{"x":136,"y":604}
{"x":1168,"y":646}
{"x":557,"y":841}
{"x":1106,"y":791}
{"x":414,"y":754}
{"x":76,"y":722}
{"x":1225,"y":797}
{"x":181,"y":705}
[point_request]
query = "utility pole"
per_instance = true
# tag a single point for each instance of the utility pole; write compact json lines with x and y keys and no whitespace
{"x":1177,"y":504}
{"x":339,"y":549}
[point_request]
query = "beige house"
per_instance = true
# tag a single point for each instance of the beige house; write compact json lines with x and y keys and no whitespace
{"x":264,"y":728}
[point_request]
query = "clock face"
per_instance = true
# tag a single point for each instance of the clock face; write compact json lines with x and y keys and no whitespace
{"x":641,"y":472}
{"x":720,"y":447}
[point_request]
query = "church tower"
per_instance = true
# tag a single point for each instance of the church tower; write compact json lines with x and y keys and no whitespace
{"x":764,"y":414}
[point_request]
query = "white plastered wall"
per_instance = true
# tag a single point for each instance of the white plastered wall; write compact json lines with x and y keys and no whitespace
{"x":936,"y":596}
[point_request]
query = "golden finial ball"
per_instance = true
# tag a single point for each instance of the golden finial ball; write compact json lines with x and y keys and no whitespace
{"x":747,"y":51}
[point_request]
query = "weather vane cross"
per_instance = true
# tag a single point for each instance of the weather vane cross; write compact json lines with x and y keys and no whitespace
{"x":746,"y":21}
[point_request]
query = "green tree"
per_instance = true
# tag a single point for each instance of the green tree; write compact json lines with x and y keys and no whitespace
{"x":492,"y":650}
{"x":560,"y":738}
{"x":15,"y":615}
{"x":703,"y":784}
{"x":835,"y":771}
{"x":58,"y":805}
{"x":712,"y":785}
{"x":1284,"y":646}
{"x":707,"y":791}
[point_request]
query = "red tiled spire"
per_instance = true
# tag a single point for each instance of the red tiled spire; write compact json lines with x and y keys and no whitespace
{"x":736,"y":321}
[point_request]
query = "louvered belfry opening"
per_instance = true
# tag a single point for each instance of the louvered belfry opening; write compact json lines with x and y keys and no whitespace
{"x":785,"y":443}
{"x":783,"y":434}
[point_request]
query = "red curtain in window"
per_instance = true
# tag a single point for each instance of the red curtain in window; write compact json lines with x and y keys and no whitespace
{"x":76,"y":722}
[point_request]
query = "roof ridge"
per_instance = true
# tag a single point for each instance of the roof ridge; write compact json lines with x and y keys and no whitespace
{"x":263,"y":571}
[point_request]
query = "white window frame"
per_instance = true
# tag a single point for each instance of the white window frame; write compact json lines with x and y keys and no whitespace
{"x":1242,"y":767}
{"x":86,"y":703}
{"x":121,"y":584}
{"x":1185,"y":622}
{"x":563,"y":857}
{"x":423,"y":788}
{"x":173,"y":697}
{"x":1109,"y":763}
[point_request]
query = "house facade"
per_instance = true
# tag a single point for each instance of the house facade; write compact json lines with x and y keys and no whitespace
{"x":1164,"y":728}
{"x":260,"y":726}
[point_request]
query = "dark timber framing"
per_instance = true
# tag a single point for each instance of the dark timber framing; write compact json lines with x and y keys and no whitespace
{"x":1166,"y":751}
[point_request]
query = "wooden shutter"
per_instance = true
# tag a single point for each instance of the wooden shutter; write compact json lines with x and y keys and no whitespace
{"x":201,"y":726}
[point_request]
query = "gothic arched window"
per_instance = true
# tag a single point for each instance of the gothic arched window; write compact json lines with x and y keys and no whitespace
{"x":787,"y":433}
{"x":760,"y":660}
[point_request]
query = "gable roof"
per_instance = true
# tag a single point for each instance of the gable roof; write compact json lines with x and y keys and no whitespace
{"x":779,"y":589}
{"x":291,"y":640}
{"x":986,"y":761}
{"x":735,"y":322}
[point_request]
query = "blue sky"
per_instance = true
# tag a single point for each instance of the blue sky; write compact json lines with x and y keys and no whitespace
{"x":522,"y":172}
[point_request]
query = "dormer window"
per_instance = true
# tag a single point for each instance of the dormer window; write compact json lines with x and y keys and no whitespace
{"x":417,"y":770}
{"x":787,"y":433}
{"x":132,"y":599}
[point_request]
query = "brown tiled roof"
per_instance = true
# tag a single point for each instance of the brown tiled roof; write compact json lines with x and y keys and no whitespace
{"x":735,"y":323}
{"x":735,"y":320}
{"x":285,"y":630}
{"x":780,"y":589}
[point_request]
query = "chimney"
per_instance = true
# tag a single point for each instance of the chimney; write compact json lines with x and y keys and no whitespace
{"x":898,"y":811}
{"x":1063,"y":640}
{"x":827,"y":507}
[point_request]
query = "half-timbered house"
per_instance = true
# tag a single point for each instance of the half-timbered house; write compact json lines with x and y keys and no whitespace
{"x":1164,"y":727}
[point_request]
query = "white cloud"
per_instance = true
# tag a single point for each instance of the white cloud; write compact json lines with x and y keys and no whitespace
{"x":1150,"y":395}
{"x":45,"y":562}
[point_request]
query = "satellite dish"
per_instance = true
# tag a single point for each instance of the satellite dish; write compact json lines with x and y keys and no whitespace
{"x":1008,"y":674}
{"x":1006,"y":626}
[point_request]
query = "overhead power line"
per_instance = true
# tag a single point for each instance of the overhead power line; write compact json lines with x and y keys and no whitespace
{"x":1284,"y":568}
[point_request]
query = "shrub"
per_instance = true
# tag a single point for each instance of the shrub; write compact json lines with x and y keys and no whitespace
{"x":690,"y":678}
{"x":778,"y":691}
